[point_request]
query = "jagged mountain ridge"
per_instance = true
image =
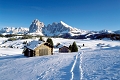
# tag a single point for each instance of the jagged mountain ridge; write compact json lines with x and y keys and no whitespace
{"x":13,"y":30}
{"x":55,"y":29}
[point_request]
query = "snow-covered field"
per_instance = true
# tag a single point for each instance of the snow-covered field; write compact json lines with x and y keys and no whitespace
{"x":97,"y":60}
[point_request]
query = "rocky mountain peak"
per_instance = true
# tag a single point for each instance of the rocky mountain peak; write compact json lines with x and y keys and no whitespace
{"x":56,"y":29}
{"x":36,"y":27}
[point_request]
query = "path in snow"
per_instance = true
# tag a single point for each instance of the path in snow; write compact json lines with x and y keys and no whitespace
{"x":81,"y":70}
{"x":76,"y":70}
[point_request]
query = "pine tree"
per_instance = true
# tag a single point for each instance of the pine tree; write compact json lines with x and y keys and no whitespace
{"x":49,"y":40}
{"x":41,"y":39}
{"x":70,"y":47}
{"x":74,"y":47}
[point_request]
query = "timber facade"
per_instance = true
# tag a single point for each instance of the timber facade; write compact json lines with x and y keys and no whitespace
{"x":43,"y":49}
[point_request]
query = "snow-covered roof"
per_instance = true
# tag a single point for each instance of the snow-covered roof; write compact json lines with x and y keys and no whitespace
{"x":61,"y":45}
{"x":33,"y":44}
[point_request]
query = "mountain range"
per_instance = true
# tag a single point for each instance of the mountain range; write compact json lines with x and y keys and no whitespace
{"x":55,"y":29}
{"x":13,"y":30}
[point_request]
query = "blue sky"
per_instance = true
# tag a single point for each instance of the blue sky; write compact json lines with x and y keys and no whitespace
{"x":82,"y":14}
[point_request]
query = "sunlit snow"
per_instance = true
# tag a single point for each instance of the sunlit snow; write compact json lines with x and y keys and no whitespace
{"x":96,"y":60}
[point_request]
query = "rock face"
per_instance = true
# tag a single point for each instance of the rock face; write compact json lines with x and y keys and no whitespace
{"x":57,"y":29}
{"x":54,"y":29}
{"x":36,"y":27}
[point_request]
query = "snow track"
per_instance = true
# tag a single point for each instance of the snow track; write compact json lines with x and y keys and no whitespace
{"x":73,"y":67}
{"x":76,"y":70}
{"x":81,"y":70}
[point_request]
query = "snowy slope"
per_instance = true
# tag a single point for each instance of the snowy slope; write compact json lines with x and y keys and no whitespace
{"x":97,"y":60}
{"x":97,"y":65}
{"x":101,"y":64}
{"x":2,"y":40}
{"x":15,"y":44}
{"x":36,"y":68}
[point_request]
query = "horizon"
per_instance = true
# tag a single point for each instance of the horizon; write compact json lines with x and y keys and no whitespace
{"x":82,"y":14}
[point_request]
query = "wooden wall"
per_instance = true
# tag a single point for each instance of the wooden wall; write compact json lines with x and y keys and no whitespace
{"x":43,"y":50}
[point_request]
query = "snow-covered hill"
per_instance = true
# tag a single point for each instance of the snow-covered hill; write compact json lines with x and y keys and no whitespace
{"x":97,"y":60}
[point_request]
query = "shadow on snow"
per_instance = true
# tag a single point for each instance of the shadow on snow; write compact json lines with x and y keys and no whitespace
{"x":12,"y":57}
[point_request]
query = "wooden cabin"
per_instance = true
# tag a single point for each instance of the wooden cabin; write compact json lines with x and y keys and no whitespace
{"x":64,"y":49}
{"x":37,"y":48}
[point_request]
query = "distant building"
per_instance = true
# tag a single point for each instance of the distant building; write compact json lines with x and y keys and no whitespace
{"x":64,"y":49}
{"x":38,"y":48}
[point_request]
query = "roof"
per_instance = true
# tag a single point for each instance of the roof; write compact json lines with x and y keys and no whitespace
{"x":33,"y":44}
{"x":62,"y":45}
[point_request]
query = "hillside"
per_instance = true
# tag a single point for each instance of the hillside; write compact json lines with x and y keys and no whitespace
{"x":96,"y":60}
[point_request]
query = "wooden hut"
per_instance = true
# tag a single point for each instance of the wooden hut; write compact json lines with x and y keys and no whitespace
{"x":64,"y":49}
{"x":38,"y":48}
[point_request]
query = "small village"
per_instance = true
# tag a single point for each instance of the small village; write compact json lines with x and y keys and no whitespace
{"x":41,"y":48}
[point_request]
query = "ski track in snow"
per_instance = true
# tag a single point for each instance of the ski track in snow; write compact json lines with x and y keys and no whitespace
{"x":76,"y":70}
{"x":81,"y":70}
{"x":73,"y":66}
